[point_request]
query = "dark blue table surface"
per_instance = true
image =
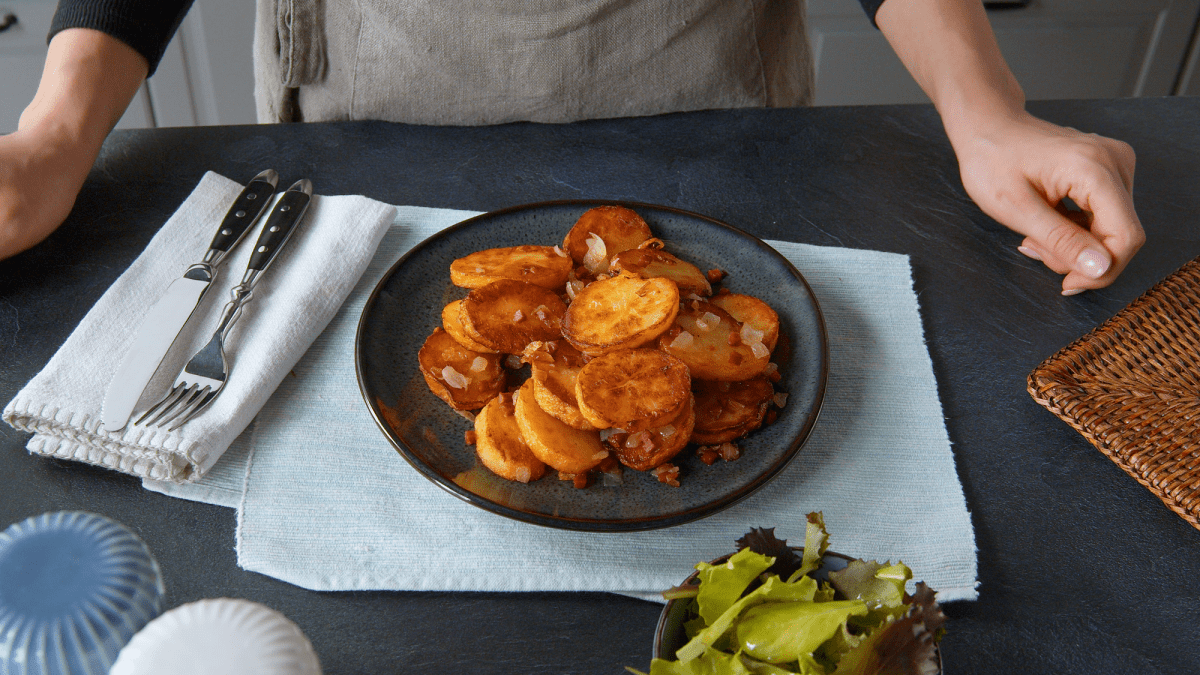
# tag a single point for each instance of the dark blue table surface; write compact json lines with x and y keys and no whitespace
{"x":1081,"y":569}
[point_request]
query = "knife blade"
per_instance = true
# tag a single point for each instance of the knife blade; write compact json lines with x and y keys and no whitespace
{"x":163,"y":323}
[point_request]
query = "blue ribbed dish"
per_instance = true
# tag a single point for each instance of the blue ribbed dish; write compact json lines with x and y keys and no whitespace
{"x":74,"y":588}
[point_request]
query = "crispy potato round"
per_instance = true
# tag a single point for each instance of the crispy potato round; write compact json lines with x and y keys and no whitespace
{"x":554,"y":368}
{"x":465,"y":379}
{"x":647,"y":449}
{"x":632,"y":389}
{"x":558,"y":445}
{"x":646,"y":263}
{"x":619,"y":228}
{"x":499,"y":445}
{"x":751,"y":310}
{"x":622,"y":312}
{"x":701,"y":339}
{"x":729,"y":410}
{"x":545,"y":266}
{"x":507,"y":315}
{"x":453,"y":325}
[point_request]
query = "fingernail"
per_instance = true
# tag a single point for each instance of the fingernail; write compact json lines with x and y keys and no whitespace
{"x":1073,"y":291}
{"x":1029,"y":253}
{"x":1092,"y":263}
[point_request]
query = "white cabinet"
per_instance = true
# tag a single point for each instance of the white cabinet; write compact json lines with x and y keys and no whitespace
{"x":1056,"y":49}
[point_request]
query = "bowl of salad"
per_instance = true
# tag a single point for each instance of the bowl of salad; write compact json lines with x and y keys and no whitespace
{"x":772,"y":609}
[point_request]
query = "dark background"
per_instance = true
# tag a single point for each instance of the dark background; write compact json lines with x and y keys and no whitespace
{"x":1081,"y":569}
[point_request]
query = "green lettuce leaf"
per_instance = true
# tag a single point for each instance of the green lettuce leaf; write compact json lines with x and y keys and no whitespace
{"x":722,"y":585}
{"x":816,"y":542}
{"x":881,"y":587}
{"x":783,"y":632}
{"x":774,"y":590}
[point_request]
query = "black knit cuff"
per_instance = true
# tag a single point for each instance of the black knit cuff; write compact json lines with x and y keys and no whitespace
{"x":871,"y":7}
{"x":144,"y":25}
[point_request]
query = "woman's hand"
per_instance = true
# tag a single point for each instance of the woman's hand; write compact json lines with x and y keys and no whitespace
{"x":1019,"y":168}
{"x":1016,"y":167}
{"x":39,"y":179}
{"x":88,"y":80}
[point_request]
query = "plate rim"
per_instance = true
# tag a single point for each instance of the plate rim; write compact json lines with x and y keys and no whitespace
{"x":583,"y":524}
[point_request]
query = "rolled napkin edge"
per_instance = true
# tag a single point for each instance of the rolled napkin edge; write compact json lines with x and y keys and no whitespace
{"x":83,"y":441}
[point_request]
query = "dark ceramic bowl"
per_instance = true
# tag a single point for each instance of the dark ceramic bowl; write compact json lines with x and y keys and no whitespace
{"x":406,"y":306}
{"x":670,"y":635}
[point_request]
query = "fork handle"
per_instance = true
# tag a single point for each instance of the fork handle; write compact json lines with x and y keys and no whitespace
{"x":286,"y":213}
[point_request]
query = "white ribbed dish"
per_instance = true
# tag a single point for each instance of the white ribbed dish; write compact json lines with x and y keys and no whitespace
{"x":223,"y":635}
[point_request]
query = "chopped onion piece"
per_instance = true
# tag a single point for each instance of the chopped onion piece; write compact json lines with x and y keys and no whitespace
{"x":781,"y":398}
{"x":478,"y":364}
{"x":771,"y":368}
{"x":760,"y":350}
{"x":682,"y":341}
{"x":596,"y":258}
{"x":559,"y":251}
{"x":693,"y":296}
{"x":667,"y":431}
{"x":749,"y":335}
{"x":467,"y":415}
{"x":600,"y":455}
{"x":605,"y":433}
{"x":711,"y":319}
{"x":703,"y":325}
{"x":512,"y":362}
{"x":517,"y":316}
{"x":573,"y":287}
{"x":454,"y":378}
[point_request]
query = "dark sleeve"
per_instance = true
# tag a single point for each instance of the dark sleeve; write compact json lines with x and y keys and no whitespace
{"x":870,"y":7}
{"x":145,"y":25}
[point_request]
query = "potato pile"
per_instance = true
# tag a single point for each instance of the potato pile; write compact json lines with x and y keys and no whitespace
{"x":631,"y":355}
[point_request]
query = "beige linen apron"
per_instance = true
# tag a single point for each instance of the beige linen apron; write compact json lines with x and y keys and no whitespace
{"x":478,"y":62}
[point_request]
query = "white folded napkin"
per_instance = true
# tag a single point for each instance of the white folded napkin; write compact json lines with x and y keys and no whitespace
{"x":293,"y":301}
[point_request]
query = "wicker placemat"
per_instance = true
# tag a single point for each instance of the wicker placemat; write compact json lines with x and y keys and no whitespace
{"x":1132,"y":388}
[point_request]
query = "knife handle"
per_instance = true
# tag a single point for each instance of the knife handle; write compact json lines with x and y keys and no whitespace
{"x":286,"y":213}
{"x":246,"y":209}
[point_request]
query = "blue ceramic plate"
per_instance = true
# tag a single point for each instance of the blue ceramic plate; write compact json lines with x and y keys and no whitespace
{"x":406,"y":306}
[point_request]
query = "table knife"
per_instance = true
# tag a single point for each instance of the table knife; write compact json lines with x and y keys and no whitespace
{"x":168,"y":316}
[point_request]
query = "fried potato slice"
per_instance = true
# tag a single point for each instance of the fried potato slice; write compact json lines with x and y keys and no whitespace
{"x":617,"y":228}
{"x":507,"y":315}
{"x":647,"y":263}
{"x":632,"y":389}
{"x":701,"y":338}
{"x":554,"y":368}
{"x":621,"y":312}
{"x":751,"y":310}
{"x":545,"y":266}
{"x":453,"y":325}
{"x":465,"y":379}
{"x":647,"y":449}
{"x":564,"y":448}
{"x":729,"y":410}
{"x":499,"y":445}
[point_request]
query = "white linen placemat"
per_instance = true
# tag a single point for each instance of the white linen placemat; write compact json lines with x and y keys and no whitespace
{"x":292,"y":302}
{"x":355,"y":516}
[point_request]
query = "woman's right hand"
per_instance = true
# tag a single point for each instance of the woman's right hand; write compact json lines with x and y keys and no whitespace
{"x":40,"y":176}
{"x":88,"y":81}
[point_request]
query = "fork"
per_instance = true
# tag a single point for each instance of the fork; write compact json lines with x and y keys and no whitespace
{"x":204,"y":376}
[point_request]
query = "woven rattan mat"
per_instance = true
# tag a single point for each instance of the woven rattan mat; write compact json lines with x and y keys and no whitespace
{"x":1132,"y":388}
